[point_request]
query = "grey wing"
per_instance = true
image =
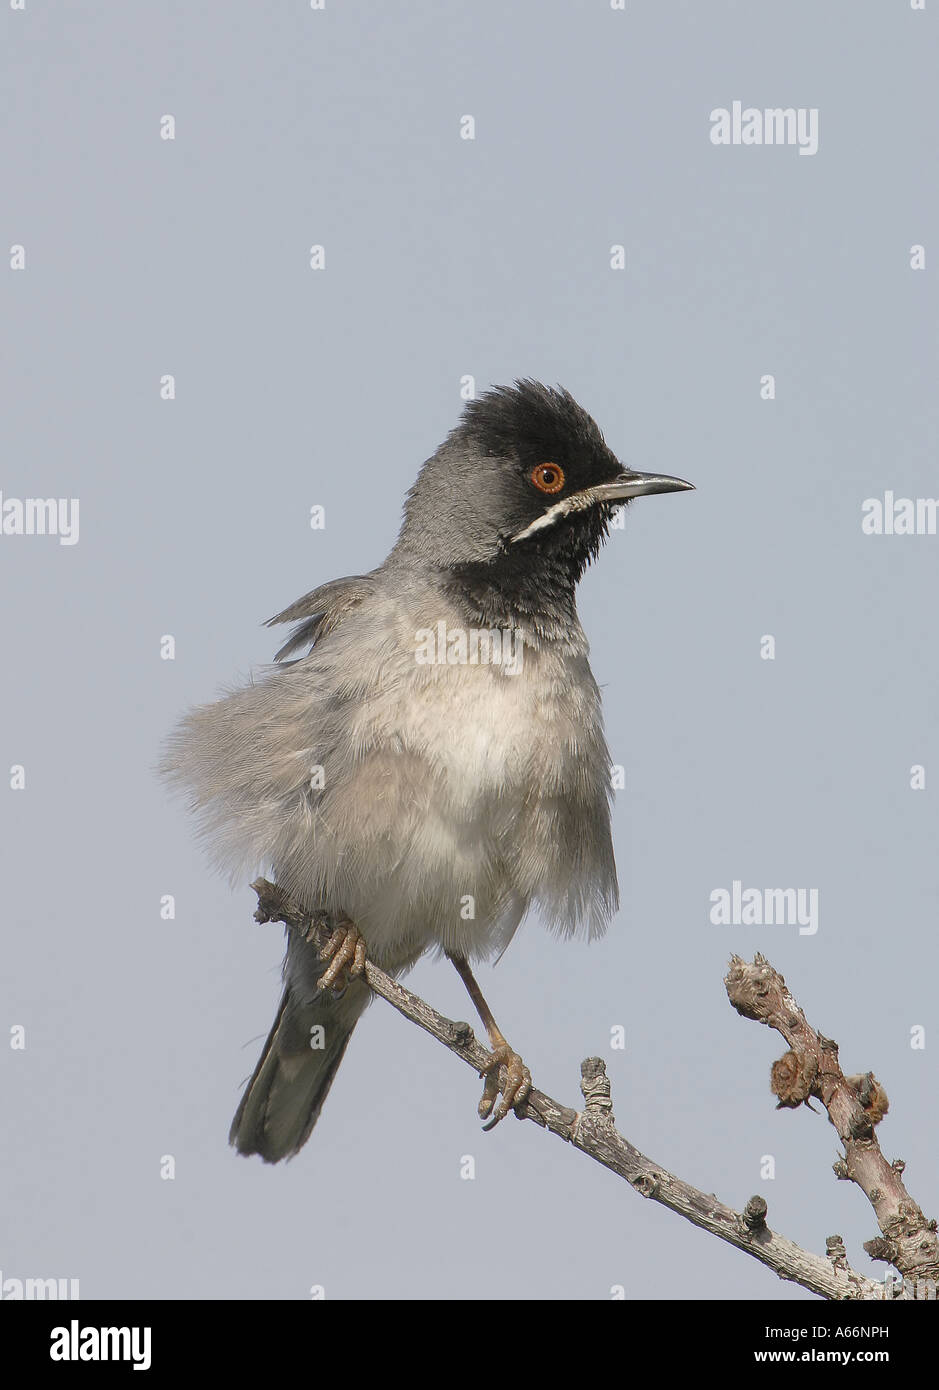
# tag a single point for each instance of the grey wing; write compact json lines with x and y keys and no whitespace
{"x":243,"y":762}
{"x":321,"y":609}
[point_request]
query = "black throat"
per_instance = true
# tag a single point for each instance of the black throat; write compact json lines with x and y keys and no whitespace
{"x":532,"y":583}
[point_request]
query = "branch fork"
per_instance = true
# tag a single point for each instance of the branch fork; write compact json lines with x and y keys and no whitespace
{"x":855,"y":1106}
{"x":810,"y":1069}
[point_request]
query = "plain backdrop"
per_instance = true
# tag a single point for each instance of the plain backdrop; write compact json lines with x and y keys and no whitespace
{"x":448,"y":258}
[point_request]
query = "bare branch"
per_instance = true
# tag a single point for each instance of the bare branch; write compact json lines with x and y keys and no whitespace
{"x":592,"y":1130}
{"x":855,"y":1104}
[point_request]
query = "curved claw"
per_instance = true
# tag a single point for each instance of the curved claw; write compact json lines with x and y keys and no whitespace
{"x":515,"y":1091}
{"x":345,"y":951}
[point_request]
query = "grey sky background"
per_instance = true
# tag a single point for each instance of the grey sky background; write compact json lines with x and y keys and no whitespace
{"x":447,"y":257}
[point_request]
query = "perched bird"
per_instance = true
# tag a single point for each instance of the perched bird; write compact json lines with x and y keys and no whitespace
{"x":434,"y":764}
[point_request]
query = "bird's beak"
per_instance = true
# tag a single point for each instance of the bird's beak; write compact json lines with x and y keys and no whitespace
{"x":630,"y":484}
{"x":627,"y":485}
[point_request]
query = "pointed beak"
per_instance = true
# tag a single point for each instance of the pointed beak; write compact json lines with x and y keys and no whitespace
{"x":630,"y":484}
{"x":627,"y":485}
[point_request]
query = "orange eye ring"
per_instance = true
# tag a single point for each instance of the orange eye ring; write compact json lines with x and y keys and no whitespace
{"x":548,"y":477}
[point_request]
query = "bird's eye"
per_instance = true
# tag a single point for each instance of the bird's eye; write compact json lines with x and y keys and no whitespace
{"x":548,"y":477}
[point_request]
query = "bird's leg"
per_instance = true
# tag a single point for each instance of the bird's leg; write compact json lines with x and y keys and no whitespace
{"x":517,"y":1076}
{"x":345,"y":951}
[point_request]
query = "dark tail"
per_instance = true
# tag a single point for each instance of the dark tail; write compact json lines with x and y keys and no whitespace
{"x":284,"y":1097}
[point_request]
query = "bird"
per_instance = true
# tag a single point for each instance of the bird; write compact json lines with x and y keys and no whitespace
{"x":424,"y":761}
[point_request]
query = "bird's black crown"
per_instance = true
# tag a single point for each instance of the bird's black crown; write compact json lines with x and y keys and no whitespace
{"x":487,"y":484}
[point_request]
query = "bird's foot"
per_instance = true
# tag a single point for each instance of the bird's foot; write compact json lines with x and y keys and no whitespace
{"x":515,"y":1091}
{"x":345,"y":951}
